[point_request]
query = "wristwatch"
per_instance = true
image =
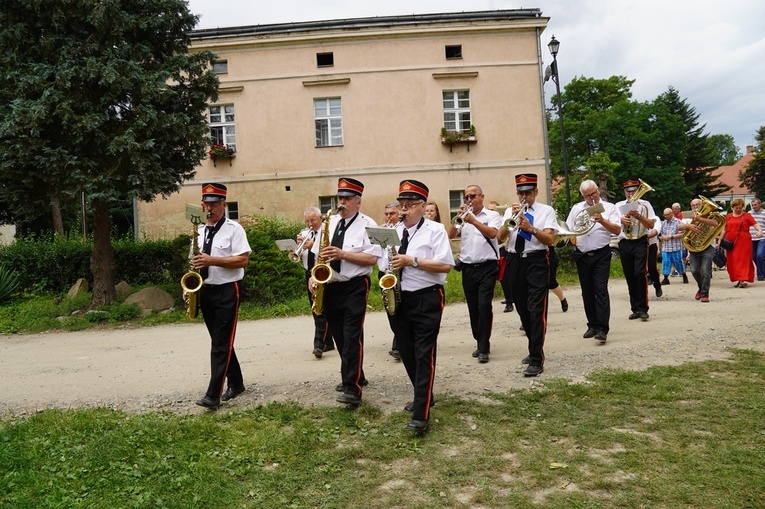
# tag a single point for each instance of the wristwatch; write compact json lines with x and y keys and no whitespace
{"x":414,"y":263}
{"x":534,"y":231}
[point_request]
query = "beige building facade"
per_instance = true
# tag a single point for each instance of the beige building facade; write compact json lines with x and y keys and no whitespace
{"x":304,"y":104}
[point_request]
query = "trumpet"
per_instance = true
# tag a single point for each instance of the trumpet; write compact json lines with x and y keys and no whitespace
{"x":512,"y":223}
{"x":459,"y":219}
{"x":297,"y":254}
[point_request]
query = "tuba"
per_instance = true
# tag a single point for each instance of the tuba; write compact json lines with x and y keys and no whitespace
{"x":696,"y":242}
{"x":389,"y":283}
{"x":192,"y":281}
{"x":321,"y":273}
{"x":636,"y":229}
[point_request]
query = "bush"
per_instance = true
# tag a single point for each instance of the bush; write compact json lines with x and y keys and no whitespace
{"x":9,"y":281}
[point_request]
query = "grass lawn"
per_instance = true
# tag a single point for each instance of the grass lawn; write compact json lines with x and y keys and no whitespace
{"x":690,"y":436}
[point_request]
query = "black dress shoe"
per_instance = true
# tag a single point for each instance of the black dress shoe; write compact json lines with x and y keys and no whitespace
{"x":634,"y":316}
{"x":328,"y":348}
{"x":349,"y":399}
{"x":318,"y":352}
{"x":643,"y":315}
{"x":526,"y":360}
{"x":483,"y":358}
{"x":591,"y":331}
{"x":564,"y":305}
{"x":475,"y":353}
{"x":533,"y":370}
{"x":509,"y":309}
{"x":410,"y":406}
{"x":208,"y":402}
{"x":503,"y":302}
{"x":395,"y":354}
{"x":231,"y":393}
{"x":601,"y":336}
{"x":340,"y":387}
{"x":416,"y":425}
{"x":659,"y":291}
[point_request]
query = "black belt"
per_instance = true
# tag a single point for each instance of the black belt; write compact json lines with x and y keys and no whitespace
{"x":208,"y":285}
{"x":532,"y":254}
{"x":479,"y":263}
{"x":351,"y":280}
{"x":423,"y":290}
{"x":594,"y":251}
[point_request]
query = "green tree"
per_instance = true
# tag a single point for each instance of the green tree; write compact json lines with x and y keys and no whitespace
{"x":99,"y":97}
{"x":753,"y":176}
{"x":725,"y":149}
{"x":701,"y":160}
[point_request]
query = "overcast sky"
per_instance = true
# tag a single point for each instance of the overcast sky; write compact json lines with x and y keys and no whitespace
{"x":712,"y":52}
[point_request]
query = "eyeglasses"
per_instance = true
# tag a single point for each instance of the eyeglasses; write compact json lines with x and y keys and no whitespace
{"x":408,"y":204}
{"x":471,"y":196}
{"x":591,"y":195}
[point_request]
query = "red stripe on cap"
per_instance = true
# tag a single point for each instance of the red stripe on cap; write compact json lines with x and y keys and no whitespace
{"x":344,"y":184}
{"x":408,"y":187}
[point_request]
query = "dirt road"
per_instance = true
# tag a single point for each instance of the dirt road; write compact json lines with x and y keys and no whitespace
{"x":167,"y":367}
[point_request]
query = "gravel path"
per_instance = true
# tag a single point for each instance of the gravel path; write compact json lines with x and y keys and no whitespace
{"x":167,"y":367}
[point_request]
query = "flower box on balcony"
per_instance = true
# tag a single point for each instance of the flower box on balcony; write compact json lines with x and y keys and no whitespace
{"x":452,"y":137}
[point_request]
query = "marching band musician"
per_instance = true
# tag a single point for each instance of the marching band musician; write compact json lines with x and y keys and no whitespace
{"x":593,"y":259}
{"x":424,"y":258}
{"x":322,"y":339}
{"x":392,"y":216}
{"x":221,"y":264}
{"x":633,"y":252}
{"x":479,"y":253}
{"x":351,"y":256}
{"x":530,"y":265}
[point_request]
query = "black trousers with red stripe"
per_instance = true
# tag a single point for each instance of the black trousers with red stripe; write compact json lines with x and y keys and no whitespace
{"x":322,"y":339}
{"x":220,"y":309}
{"x":531,"y":278}
{"x":345,"y":306}
{"x":634,"y":257}
{"x":417,"y":321}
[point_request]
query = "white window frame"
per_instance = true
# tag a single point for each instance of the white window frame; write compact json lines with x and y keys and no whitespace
{"x":457,"y":113}
{"x":221,"y":118}
{"x":328,"y":122}
{"x":220,"y":66}
{"x":232,"y":210}
{"x":456,"y":198}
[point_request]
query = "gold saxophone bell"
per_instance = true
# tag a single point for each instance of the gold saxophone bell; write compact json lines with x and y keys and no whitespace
{"x":321,"y":273}
{"x":389,"y":283}
{"x":191,"y":282}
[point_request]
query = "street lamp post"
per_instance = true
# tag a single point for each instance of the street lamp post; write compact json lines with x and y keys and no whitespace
{"x":554,"y":45}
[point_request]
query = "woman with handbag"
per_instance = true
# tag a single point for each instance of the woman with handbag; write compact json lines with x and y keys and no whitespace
{"x":737,"y":241}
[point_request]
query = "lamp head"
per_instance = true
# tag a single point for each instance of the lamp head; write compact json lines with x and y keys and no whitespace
{"x":554,"y":45}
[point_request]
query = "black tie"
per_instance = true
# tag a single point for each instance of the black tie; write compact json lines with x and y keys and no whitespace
{"x":337,"y":241}
{"x":207,"y":248}
{"x":311,"y":260}
{"x":404,"y":242}
{"x":520,"y":242}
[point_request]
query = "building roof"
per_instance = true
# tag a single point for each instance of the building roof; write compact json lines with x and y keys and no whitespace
{"x":730,"y":174}
{"x":371,"y":22}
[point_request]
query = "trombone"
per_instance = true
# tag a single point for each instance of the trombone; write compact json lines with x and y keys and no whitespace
{"x":297,"y":254}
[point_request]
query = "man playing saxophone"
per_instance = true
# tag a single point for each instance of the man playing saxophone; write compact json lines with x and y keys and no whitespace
{"x":633,"y":245}
{"x":392,"y":217}
{"x":322,"y":339}
{"x":351,"y":256}
{"x":593,"y":258}
{"x":423,"y":260}
{"x":221,"y":264}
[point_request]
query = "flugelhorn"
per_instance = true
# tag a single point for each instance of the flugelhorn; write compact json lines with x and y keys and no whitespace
{"x":459,"y":219}
{"x":512,"y":223}
{"x":192,"y":281}
{"x":297,"y":254}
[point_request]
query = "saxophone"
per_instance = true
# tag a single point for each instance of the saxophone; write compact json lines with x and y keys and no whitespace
{"x":321,"y":272}
{"x":191,"y":281}
{"x":389,"y":283}
{"x":696,"y":242}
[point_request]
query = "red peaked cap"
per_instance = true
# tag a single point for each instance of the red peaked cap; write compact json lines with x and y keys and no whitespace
{"x":631,"y":185}
{"x":526,"y":181}
{"x":412,"y":190}
{"x":213,"y":192}
{"x":349,"y":187}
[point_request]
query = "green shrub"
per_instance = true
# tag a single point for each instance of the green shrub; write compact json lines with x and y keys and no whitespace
{"x":96,"y":316}
{"x":123,"y":312}
{"x":9,"y":281}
